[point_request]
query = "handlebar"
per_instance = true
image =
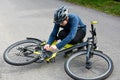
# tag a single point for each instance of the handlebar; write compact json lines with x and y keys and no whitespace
{"x":93,"y":30}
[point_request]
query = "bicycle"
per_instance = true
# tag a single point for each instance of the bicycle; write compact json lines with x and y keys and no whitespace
{"x":31,"y":50}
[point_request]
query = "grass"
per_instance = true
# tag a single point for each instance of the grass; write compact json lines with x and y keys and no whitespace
{"x":107,"y":6}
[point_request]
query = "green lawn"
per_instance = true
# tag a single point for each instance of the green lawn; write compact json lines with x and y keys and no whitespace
{"x":107,"y":6}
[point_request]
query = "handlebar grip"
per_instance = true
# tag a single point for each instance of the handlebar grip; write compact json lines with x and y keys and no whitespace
{"x":94,"y":22}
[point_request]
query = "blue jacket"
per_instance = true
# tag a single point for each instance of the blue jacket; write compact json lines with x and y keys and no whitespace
{"x":74,"y":23}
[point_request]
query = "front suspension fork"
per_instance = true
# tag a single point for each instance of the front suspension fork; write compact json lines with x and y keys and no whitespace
{"x":88,"y":57}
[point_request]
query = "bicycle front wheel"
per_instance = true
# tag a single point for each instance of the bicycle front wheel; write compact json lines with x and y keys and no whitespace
{"x":101,"y":66}
{"x":21,"y":53}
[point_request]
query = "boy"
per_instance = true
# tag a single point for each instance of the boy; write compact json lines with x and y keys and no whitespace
{"x":73,"y":30}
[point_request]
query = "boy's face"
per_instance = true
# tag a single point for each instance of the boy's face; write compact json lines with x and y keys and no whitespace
{"x":64,"y":23}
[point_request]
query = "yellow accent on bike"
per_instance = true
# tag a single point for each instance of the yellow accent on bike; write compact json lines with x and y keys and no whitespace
{"x":43,"y":43}
{"x":36,"y":52}
{"x":68,"y":45}
{"x":94,"y":22}
{"x":54,"y":43}
{"x":53,"y":56}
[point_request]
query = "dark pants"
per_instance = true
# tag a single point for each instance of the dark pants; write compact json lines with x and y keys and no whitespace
{"x":78,"y":37}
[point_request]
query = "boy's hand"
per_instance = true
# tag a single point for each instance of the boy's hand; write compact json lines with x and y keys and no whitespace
{"x":47,"y":47}
{"x":53,"y":48}
{"x":50,"y":48}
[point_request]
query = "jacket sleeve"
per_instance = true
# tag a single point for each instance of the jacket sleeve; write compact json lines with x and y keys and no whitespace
{"x":53,"y":34}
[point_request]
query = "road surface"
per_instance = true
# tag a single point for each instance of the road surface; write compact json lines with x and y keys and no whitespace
{"x":34,"y":18}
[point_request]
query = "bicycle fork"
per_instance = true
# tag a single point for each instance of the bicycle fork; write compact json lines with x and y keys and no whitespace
{"x":88,"y":56}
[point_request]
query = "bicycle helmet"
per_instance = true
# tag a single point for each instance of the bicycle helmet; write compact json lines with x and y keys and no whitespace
{"x":60,"y":14}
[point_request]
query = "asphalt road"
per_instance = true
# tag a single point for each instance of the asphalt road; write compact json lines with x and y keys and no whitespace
{"x":34,"y":18}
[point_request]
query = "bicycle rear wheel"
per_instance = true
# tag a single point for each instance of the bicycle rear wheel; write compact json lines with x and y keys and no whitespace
{"x":102,"y":66}
{"x":21,"y":53}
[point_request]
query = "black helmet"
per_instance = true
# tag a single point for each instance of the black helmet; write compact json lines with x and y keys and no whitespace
{"x":60,"y":15}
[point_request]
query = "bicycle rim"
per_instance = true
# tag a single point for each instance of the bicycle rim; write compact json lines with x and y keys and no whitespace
{"x":101,"y":68}
{"x":14,"y":56}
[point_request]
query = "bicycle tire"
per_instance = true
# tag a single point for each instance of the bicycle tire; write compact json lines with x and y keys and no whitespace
{"x":96,"y":53}
{"x":10,"y":60}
